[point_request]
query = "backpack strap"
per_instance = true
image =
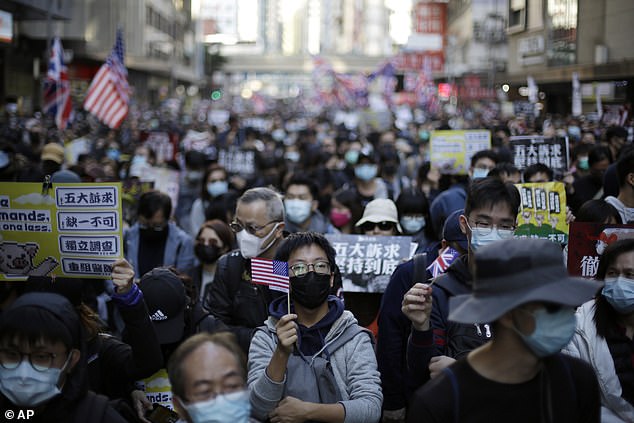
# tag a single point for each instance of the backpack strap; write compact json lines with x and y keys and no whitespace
{"x":420,"y":268}
{"x":349,"y":333}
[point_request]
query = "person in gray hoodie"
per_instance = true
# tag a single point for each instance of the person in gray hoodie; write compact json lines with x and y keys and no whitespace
{"x":315,"y":327}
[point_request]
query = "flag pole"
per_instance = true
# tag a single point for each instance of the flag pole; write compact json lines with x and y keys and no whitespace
{"x":288,"y":299}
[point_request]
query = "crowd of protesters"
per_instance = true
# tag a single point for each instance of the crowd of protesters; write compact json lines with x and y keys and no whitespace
{"x":180,"y":331}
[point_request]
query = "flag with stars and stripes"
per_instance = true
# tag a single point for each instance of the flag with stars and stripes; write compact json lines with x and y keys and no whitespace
{"x":271,"y":273}
{"x":108,"y":94}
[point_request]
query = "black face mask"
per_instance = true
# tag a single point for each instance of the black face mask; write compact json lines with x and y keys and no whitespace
{"x":310,"y":290}
{"x":207,"y":253}
{"x":152,"y":235}
{"x":389,"y":169}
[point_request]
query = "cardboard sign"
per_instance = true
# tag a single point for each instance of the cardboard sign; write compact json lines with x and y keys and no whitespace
{"x":71,"y":230}
{"x":588,"y":242}
{"x":237,"y":161}
{"x":157,"y":388}
{"x":543,"y":212}
{"x":367,"y":262}
{"x":451,"y":151}
{"x":552,"y":152}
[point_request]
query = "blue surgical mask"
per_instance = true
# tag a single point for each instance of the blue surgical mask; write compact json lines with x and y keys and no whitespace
{"x":298,"y":211}
{"x":619,"y":292}
{"x":365,"y":172}
{"x":234,"y":407}
{"x":583,"y":163}
{"x":553,"y":331}
{"x":26,"y":387}
{"x":352,"y":156}
{"x":479,"y":173}
{"x":139,"y":160}
{"x":217,"y":188}
{"x":412,"y":224}
{"x":113,"y":154}
{"x":480,"y":238}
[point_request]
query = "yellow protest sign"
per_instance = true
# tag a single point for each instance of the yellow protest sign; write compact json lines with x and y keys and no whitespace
{"x":71,"y":230}
{"x":451,"y":151}
{"x":543,"y":212}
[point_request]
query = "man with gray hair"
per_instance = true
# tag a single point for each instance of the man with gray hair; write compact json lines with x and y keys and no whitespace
{"x":233,"y":298}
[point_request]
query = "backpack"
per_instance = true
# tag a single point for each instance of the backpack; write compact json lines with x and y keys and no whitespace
{"x":311,"y":378}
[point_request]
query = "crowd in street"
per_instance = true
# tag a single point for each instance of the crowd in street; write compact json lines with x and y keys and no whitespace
{"x":478,"y":325}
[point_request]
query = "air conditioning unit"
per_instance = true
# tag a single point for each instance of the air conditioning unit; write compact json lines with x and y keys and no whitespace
{"x":600,"y":54}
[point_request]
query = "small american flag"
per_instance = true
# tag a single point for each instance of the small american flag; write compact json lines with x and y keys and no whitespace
{"x":107,"y":96}
{"x":272,"y":273}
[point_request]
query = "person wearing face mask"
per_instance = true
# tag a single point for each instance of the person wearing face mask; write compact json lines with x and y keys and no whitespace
{"x":522,"y":287}
{"x":345,"y":211}
{"x":154,"y":241}
{"x":604,"y":332}
{"x":590,"y":186}
{"x":490,"y":214}
{"x":43,"y":363}
{"x":208,"y":377}
{"x":413,"y":212}
{"x":300,"y":206}
{"x":624,"y":201}
{"x":216,"y":200}
{"x":232,"y":297}
{"x":214,"y":238}
{"x":391,"y":172}
{"x":190,"y":183}
{"x":366,"y":184}
{"x":315,"y":323}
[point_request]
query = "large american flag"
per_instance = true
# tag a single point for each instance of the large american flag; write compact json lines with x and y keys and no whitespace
{"x":107,"y":97}
{"x":57,"y":87}
{"x":272,"y":273}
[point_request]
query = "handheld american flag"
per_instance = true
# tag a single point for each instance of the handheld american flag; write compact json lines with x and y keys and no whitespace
{"x":57,"y":87}
{"x":272,"y":273}
{"x":107,"y":96}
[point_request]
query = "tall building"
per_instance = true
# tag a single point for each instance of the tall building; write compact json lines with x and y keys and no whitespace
{"x":549,"y":40}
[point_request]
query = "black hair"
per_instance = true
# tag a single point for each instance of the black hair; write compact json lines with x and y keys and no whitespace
{"x":304,"y":239}
{"x":414,"y":201}
{"x":152,"y":201}
{"x":605,"y":316}
{"x":349,"y":199}
{"x":615,"y":131}
{"x":599,"y":153}
{"x":624,"y":167}
{"x":204,"y":194}
{"x":536,"y":168}
{"x":489,"y":154}
{"x":504,"y":168}
{"x":597,"y":211}
{"x":488,"y":192}
{"x":298,"y":179}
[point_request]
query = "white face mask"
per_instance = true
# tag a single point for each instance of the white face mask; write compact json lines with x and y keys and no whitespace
{"x":298,"y":211}
{"x":234,"y":407}
{"x":26,"y":387}
{"x":252,"y":245}
{"x":479,"y":173}
{"x":479,"y":239}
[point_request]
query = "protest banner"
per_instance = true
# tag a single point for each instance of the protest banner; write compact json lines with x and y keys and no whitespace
{"x":367,"y":262}
{"x":71,"y":230}
{"x":552,"y":152}
{"x":164,"y":144}
{"x":543,"y":212}
{"x":237,"y":161}
{"x":165,"y":180}
{"x":451,"y":151}
{"x":588,"y":242}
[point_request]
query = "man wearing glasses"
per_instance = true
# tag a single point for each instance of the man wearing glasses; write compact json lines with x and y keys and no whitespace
{"x":288,"y":356}
{"x":232,"y":298}
{"x":489,"y":215}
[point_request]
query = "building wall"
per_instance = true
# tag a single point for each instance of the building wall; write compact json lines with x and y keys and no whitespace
{"x":619,"y":16}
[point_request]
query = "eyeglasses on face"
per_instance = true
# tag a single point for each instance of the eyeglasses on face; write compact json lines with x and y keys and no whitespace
{"x":504,"y":230}
{"x":384,"y":226}
{"x":40,"y":361}
{"x":252,"y":229}
{"x":301,"y":269}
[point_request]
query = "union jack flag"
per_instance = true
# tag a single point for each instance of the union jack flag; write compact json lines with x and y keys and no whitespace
{"x":57,"y":87}
{"x":108,"y":94}
{"x":271,"y":273}
{"x":443,"y":261}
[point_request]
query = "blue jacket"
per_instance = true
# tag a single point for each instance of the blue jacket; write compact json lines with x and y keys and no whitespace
{"x":179,"y":248}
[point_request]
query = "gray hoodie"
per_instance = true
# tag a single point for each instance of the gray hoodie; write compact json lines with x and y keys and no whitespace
{"x":354,"y":366}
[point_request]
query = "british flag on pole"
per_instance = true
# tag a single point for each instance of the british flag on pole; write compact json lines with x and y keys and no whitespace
{"x":271,"y":273}
{"x":108,"y":94}
{"x":57,"y":87}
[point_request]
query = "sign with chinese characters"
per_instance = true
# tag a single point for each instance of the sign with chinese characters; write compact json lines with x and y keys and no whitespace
{"x":367,"y":262}
{"x":451,"y":151}
{"x":552,"y":152}
{"x":588,"y":242}
{"x":71,"y":230}
{"x":237,"y":161}
{"x":543,"y":212}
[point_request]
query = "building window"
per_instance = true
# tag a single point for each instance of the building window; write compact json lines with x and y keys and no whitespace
{"x":561,"y":23}
{"x":517,"y":16}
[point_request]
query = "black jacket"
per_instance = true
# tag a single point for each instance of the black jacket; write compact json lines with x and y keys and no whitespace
{"x":232,"y":298}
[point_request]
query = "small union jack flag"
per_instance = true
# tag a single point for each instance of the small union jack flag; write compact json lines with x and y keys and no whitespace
{"x":444,"y":260}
